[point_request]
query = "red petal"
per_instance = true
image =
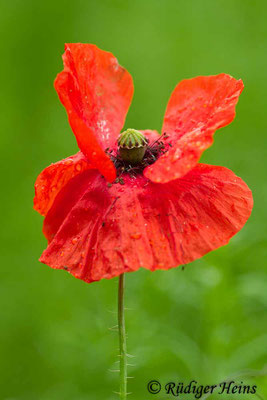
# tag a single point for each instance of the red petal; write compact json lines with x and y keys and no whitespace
{"x":151,"y":135}
{"x":197,"y":108}
{"x":142,"y":224}
{"x":96,"y":92}
{"x":53,"y":178}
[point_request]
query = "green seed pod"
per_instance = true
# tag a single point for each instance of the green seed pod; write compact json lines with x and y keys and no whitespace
{"x":132,"y":146}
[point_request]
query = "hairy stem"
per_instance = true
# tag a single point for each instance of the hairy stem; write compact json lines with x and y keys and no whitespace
{"x":122,"y":339}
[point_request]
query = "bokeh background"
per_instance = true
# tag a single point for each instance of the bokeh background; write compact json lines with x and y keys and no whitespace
{"x":206,"y":322}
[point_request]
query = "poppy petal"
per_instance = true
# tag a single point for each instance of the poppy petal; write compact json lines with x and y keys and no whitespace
{"x":53,"y":178}
{"x":196,"y":109}
{"x":96,"y":92}
{"x":111,"y":230}
{"x":151,"y":135}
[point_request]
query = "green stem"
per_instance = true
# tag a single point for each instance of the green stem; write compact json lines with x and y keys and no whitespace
{"x":122,"y":339}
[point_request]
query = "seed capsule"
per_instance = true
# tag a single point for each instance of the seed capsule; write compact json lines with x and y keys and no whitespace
{"x":132,"y":146}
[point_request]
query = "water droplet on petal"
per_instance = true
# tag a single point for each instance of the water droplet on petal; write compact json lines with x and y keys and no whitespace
{"x":176,"y":155}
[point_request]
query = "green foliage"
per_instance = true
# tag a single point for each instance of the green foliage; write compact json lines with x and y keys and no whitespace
{"x":205,"y":322}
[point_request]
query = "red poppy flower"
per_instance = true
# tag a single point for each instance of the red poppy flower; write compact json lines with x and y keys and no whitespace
{"x":171,"y":211}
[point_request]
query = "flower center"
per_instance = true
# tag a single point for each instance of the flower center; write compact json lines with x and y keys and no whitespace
{"x":132,"y":146}
{"x":135,"y":153}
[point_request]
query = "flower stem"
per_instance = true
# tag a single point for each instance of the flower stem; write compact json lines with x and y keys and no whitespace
{"x":122,"y":339}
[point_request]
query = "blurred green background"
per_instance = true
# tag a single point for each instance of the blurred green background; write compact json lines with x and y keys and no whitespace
{"x":204,"y":323}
